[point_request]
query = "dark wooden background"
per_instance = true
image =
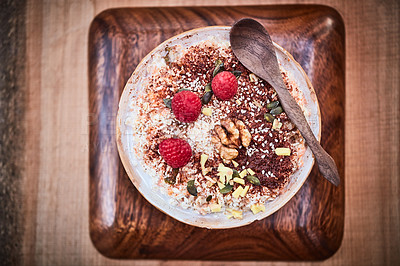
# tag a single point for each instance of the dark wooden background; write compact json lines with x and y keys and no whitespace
{"x":45,"y":183}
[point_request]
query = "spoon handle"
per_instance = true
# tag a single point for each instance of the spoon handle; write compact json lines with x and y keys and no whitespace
{"x":326,"y":164}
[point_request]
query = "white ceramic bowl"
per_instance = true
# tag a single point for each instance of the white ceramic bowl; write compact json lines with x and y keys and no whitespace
{"x":144,"y":183}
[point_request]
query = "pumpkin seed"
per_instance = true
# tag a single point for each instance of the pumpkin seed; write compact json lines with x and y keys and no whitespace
{"x":207,"y":88}
{"x":206,"y":97}
{"x":237,"y":73}
{"x":166,"y":57}
{"x":235,"y":174}
{"x":167,"y":102}
{"x":276,"y":110}
{"x":272,"y":105}
{"x":172,"y":178}
{"x":219,"y":67}
{"x":182,"y":90}
{"x":270,"y":118}
{"x":208,"y":198}
{"x":226,"y":189}
{"x":191,"y":188}
{"x":254,"y":180}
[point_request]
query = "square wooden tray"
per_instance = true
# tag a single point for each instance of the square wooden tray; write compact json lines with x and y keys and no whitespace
{"x":124,"y":225}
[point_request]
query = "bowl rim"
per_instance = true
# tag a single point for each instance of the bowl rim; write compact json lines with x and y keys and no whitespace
{"x":134,"y":178}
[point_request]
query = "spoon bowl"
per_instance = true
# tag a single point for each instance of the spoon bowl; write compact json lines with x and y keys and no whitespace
{"x":253,"y":46}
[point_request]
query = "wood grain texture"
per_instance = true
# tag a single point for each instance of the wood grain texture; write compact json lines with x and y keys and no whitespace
{"x":12,"y":134}
{"x":56,"y":175}
{"x":124,"y":225}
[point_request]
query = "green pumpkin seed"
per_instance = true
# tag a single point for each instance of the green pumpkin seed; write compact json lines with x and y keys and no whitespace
{"x":270,"y":118}
{"x":182,"y":90}
{"x":254,"y":180}
{"x":206,"y":97}
{"x":272,"y":105}
{"x":208,"y":198}
{"x":276,"y":110}
{"x":207,"y":88}
{"x":191,"y":188}
{"x":166,"y":57}
{"x":237,"y":73}
{"x":172,"y":178}
{"x":167,"y":102}
{"x":226,"y":189}
{"x":235,"y":173}
{"x":219,"y":67}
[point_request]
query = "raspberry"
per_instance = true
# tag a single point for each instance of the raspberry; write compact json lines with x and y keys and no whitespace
{"x":175,"y":152}
{"x":224,"y":85}
{"x":186,"y":106}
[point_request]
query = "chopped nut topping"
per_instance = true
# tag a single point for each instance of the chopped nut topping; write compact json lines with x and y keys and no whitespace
{"x":245,"y":190}
{"x":239,"y":180}
{"x":276,"y":124}
{"x":256,"y":208}
{"x":233,"y":131}
{"x":237,"y":192}
{"x":244,"y":132}
{"x":207,"y":111}
{"x":282,"y":151}
{"x":215,"y":207}
{"x":238,"y":134}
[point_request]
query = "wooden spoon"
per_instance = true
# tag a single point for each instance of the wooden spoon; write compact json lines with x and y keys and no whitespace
{"x":253,"y":47}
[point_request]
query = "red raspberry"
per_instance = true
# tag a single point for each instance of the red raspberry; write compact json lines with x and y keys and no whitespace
{"x":176,"y":152}
{"x":186,"y":106}
{"x":224,"y":85}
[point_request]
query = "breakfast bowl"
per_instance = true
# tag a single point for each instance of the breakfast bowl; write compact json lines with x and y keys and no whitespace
{"x":247,"y":160}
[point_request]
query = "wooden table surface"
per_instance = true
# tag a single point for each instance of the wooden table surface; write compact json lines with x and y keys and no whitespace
{"x":45,"y":120}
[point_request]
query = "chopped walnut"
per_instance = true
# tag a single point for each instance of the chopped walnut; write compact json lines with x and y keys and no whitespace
{"x":228,"y":153}
{"x":227,"y":144}
{"x":234,"y":134}
{"x":222,"y":135}
{"x":245,"y":135}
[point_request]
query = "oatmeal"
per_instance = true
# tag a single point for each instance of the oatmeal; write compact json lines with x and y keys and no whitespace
{"x":244,"y":150}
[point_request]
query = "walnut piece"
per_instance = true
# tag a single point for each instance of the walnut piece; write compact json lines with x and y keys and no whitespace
{"x":234,"y":134}
{"x":222,"y":135}
{"x":228,"y":153}
{"x":229,"y":136}
{"x":245,"y":135}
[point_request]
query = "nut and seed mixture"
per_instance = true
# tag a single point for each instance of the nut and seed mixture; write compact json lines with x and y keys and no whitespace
{"x":244,"y":149}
